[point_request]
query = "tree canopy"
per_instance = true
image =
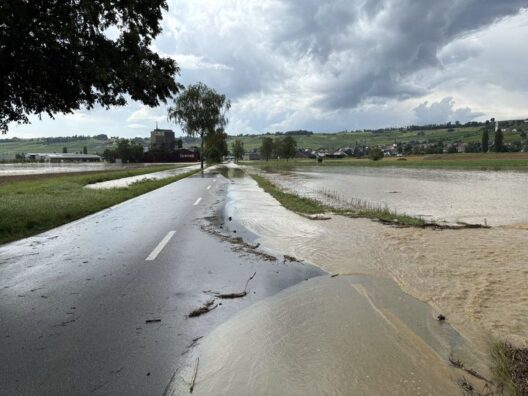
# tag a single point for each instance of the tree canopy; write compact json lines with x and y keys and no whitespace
{"x":57,"y":56}
{"x":266,"y":149}
{"x":289,"y":147}
{"x":485,"y":140}
{"x":200,"y":110}
{"x":499,"y":141}
{"x":216,"y":146}
{"x":126,"y":150}
{"x":238,"y":149}
{"x":375,"y":154}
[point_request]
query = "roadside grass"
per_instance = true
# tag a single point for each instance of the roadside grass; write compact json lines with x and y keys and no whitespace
{"x":308,"y":206}
{"x":28,"y":207}
{"x":510,"y":368}
{"x":384,"y":215}
{"x":293,"y":202}
{"x":487,"y":161}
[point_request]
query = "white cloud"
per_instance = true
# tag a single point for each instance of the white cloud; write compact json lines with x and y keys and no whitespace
{"x":443,"y":111}
{"x":137,"y":126}
{"x":148,"y":115}
{"x":194,"y":62}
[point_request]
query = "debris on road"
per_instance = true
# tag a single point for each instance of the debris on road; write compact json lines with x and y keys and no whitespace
{"x":318,"y":217}
{"x":207,"y":307}
{"x":152,"y":320}
{"x":228,"y":296}
{"x":195,"y":372}
{"x":441,"y":317}
{"x":459,"y":365}
{"x":239,"y":243}
{"x":243,"y":293}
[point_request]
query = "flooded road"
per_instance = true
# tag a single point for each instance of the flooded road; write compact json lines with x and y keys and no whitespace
{"x":495,"y":198}
{"x":127,"y":181}
{"x":350,"y":335}
{"x":86,"y":309}
{"x":355,"y":333}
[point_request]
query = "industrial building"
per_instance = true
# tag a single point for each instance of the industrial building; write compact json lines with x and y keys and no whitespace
{"x":162,"y":139}
{"x":62,"y":157}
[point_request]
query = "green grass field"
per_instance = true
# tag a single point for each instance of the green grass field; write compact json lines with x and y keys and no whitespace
{"x":28,"y":207}
{"x":472,"y":161}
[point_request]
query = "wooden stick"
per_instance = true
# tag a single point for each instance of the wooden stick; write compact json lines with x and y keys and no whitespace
{"x":195,"y":372}
{"x":250,"y":278}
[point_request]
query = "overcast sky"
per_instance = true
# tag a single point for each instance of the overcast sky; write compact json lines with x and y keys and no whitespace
{"x":334,"y":65}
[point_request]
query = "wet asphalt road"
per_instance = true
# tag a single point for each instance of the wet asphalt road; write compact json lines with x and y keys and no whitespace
{"x":74,"y":301}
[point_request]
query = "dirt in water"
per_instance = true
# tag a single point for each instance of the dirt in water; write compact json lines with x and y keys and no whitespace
{"x":476,"y":277}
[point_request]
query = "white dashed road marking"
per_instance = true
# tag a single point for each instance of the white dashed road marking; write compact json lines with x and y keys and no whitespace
{"x":152,"y":256}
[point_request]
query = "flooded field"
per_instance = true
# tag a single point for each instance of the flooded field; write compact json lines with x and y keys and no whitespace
{"x":476,"y":277}
{"x":44,"y":168}
{"x":477,"y":197}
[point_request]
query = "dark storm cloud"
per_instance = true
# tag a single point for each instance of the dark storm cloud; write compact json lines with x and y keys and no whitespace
{"x":372,"y":48}
{"x":355,"y":49}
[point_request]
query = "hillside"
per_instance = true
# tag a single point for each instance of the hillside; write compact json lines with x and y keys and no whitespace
{"x":330,"y":141}
{"x":16,"y":146}
{"x":350,"y":139}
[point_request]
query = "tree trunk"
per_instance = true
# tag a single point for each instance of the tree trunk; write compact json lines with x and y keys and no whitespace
{"x":202,"y":150}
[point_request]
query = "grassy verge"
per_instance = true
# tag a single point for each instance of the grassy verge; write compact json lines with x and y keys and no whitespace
{"x":307,"y":206}
{"x":384,"y":215}
{"x":28,"y":207}
{"x":487,"y":161}
{"x":291,"y":201}
{"x":510,"y":368}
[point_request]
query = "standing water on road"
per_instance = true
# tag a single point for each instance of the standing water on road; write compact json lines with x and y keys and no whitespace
{"x":495,"y":198}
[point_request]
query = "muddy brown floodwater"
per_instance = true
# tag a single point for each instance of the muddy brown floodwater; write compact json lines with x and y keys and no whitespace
{"x":476,"y":277}
{"x":372,"y":329}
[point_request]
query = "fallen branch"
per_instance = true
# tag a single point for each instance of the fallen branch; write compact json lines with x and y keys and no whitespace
{"x":195,"y":372}
{"x":207,"y":307}
{"x":228,"y":296}
{"x":289,"y":258}
{"x":459,"y":365}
